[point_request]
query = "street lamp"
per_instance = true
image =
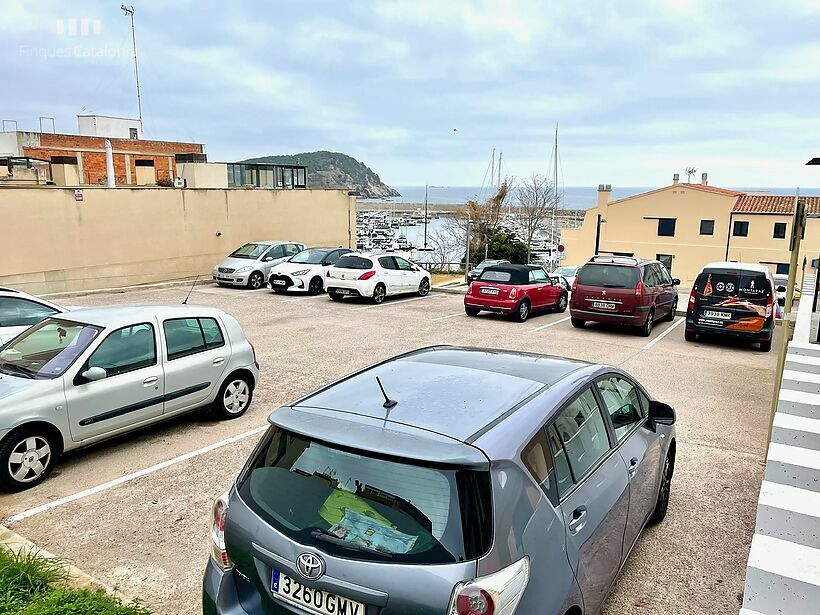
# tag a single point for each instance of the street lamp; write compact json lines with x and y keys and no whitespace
{"x":426,"y":187}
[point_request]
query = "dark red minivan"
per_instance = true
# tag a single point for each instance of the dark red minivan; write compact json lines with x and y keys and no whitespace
{"x":518,"y":290}
{"x":623,"y":290}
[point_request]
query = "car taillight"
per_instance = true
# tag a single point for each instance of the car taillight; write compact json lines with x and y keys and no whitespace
{"x":513,"y":293}
{"x":327,"y":275}
{"x":769,"y":306}
{"x":574,"y":284}
{"x":639,"y":288}
{"x":218,"y":552}
{"x":692,"y":299}
{"x":253,"y":350}
{"x":495,"y":594}
{"x":367,"y":275}
{"x":470,"y":288}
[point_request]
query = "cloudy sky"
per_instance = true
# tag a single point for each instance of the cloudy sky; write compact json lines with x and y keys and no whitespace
{"x":641,"y":88}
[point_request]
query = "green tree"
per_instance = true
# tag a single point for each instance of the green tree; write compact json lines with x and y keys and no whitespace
{"x":502,"y":243}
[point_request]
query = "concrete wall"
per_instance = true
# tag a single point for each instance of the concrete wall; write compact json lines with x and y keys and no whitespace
{"x":124,"y":236}
{"x":8,"y":144}
{"x":107,"y":126}
{"x":204,"y":174}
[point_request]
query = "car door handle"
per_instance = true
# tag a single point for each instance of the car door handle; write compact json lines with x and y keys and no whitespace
{"x":633,"y":467}
{"x":578,"y":520}
{"x":150,"y":380}
{"x":219,"y":361}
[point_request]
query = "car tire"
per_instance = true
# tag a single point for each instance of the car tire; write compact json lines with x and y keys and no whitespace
{"x":30,"y":450}
{"x":662,"y":504}
{"x":673,"y":313}
{"x":690,"y":336}
{"x":766,"y":345}
{"x":561,"y":305}
{"x":424,"y":287}
{"x":379,"y":293}
{"x":256,"y":280}
{"x":234,"y":397}
{"x":522,"y":311}
{"x":316,"y":286}
{"x":646,"y":328}
{"x":578,"y":323}
{"x":471,"y":311}
{"x":335,"y":296}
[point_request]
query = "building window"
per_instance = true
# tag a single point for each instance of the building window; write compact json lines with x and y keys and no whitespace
{"x":666,"y":227}
{"x":666,"y":260}
{"x":779,"y":230}
{"x":782,"y":268}
{"x":132,"y":132}
{"x":707,"y":227}
{"x":740,"y":228}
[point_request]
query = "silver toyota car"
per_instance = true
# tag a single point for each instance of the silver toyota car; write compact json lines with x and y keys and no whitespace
{"x":250,"y":265}
{"x":446,"y":481}
{"x":77,"y":378}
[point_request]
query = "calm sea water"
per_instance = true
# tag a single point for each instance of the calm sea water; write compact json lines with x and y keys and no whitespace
{"x":573,"y":197}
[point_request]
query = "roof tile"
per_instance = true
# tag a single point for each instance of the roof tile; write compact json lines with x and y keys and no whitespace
{"x":774,"y":204}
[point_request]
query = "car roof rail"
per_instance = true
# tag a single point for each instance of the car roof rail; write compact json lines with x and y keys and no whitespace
{"x":606,"y":258}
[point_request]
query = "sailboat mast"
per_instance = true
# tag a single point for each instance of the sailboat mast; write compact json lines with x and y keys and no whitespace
{"x":492,"y":169}
{"x":499,"y":170}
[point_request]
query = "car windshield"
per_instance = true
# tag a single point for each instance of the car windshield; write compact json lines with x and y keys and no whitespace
{"x":567,"y":271}
{"x":609,"y":276}
{"x":354,"y":262}
{"x":251,"y":251}
{"x":353,"y":504}
{"x":47,"y":349}
{"x":310,"y":257}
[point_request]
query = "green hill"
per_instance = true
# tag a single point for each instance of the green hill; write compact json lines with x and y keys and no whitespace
{"x":335,"y":170}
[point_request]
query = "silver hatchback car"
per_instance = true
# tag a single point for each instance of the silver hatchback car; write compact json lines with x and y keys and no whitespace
{"x":445,"y":481}
{"x":250,"y":265}
{"x":78,"y":378}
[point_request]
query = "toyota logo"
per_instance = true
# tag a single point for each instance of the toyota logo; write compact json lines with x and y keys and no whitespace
{"x":310,"y":566}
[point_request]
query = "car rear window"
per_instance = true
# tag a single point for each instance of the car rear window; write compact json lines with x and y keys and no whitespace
{"x":495,"y":276}
{"x":357,"y":505}
{"x":747,"y":285}
{"x":354,"y":262}
{"x":610,"y":276}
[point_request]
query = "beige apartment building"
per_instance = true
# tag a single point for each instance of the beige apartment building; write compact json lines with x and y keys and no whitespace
{"x":687,"y":225}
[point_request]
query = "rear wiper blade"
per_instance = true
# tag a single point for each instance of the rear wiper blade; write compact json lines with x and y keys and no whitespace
{"x":326,"y":536}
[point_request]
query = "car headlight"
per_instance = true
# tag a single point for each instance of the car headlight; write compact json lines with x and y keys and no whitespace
{"x":300,"y":272}
{"x":243,"y":269}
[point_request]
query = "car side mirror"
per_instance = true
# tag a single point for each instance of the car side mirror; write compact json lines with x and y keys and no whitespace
{"x":675,"y":281}
{"x":94,"y":373}
{"x":661,"y":413}
{"x":267,"y":259}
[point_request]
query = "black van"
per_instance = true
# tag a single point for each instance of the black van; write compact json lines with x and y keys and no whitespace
{"x":735,"y":299}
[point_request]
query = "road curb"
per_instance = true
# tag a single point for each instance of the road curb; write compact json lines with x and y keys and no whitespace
{"x":451,"y":291}
{"x":76,"y":577}
{"x":125,"y":289}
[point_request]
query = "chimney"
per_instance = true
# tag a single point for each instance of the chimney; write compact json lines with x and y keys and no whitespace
{"x":604,"y":190}
{"x":675,"y":179}
{"x":704,"y":179}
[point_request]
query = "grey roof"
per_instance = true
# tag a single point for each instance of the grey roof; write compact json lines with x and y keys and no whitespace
{"x":450,"y":391}
{"x":123,"y":315}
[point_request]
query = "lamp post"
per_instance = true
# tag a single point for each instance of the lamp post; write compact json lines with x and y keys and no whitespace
{"x":601,"y":221}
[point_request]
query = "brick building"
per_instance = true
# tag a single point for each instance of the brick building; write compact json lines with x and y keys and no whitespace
{"x":79,"y":159}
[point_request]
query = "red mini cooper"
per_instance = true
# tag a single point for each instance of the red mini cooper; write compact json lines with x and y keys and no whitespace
{"x":518,"y":290}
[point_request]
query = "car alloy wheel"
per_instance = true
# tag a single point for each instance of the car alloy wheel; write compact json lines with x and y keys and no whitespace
{"x":236,"y":396}
{"x":29,"y":459}
{"x":379,"y":293}
{"x":561,"y":306}
{"x":424,"y":287}
{"x":663,"y":492}
{"x":646,"y":329}
{"x":523,"y":311}
{"x":315,"y":286}
{"x":256,"y":281}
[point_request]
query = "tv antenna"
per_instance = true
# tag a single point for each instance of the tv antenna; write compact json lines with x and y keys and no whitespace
{"x":690,"y":171}
{"x":190,"y":290}
{"x":129,"y":11}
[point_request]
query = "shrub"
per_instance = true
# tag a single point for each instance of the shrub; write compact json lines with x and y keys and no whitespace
{"x":65,"y":601}
{"x":25,"y":574}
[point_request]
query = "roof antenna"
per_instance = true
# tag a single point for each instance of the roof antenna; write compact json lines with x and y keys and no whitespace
{"x":388,"y":403}
{"x":190,"y":290}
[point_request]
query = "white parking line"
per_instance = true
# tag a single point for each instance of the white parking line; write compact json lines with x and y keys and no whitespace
{"x":386,"y":303}
{"x":449,"y":316}
{"x":306,"y":297}
{"x":129,"y":477}
{"x":664,"y":334}
{"x":550,"y":324}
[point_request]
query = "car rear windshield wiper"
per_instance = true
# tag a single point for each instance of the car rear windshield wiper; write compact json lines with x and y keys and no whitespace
{"x":326,"y":536}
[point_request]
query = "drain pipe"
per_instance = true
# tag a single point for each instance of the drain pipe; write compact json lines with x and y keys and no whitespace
{"x":109,"y":164}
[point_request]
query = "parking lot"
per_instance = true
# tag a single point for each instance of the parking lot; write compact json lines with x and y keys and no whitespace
{"x":135,"y":512}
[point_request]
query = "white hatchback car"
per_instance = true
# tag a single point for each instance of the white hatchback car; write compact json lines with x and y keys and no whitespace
{"x":361,"y":274}
{"x":18,"y":311}
{"x":75,"y":379}
{"x":306,"y":271}
{"x":249,"y":265}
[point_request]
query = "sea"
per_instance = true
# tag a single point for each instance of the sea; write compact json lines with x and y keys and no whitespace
{"x":571,"y":197}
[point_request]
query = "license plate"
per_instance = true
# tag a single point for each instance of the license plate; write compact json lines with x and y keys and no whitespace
{"x":489,"y":291}
{"x":279,"y":282}
{"x":313,"y":600}
{"x":342,"y":291}
{"x":224,"y":279}
{"x":603,"y":305}
{"x":716,"y":314}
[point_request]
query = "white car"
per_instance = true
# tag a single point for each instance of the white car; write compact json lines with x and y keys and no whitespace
{"x":361,"y":274}
{"x":249,"y":265}
{"x":568,"y":271}
{"x":77,"y":378}
{"x":306,"y":271}
{"x":18,"y":311}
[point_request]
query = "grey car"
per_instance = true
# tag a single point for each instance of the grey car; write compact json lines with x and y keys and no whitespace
{"x":249,"y":265}
{"x":445,"y":481}
{"x":474,"y":273}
